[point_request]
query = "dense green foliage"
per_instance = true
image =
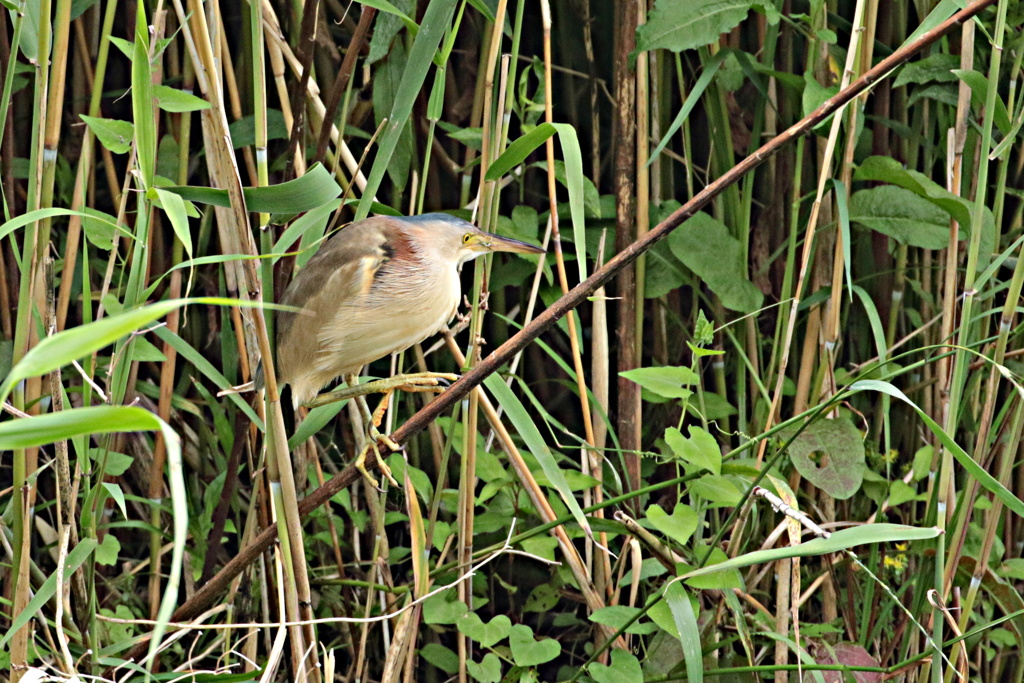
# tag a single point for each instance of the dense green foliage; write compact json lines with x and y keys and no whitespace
{"x":835,"y":337}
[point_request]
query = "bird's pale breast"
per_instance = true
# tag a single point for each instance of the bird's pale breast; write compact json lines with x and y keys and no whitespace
{"x":366,"y":297}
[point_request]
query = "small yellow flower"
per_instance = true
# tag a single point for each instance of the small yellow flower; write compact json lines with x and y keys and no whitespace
{"x":895,"y":563}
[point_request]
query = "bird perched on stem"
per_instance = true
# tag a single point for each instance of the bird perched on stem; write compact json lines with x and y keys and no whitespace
{"x":377,"y":287}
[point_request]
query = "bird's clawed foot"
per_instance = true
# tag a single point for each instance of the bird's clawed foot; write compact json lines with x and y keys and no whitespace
{"x":360,"y":464}
{"x":423,"y":381}
{"x":414,"y":383}
{"x":373,"y":436}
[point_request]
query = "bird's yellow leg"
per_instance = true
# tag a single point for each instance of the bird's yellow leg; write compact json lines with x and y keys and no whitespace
{"x":413,"y":383}
{"x":373,"y":435}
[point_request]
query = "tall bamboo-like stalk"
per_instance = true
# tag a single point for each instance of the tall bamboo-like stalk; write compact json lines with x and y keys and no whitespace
{"x":32,"y":289}
{"x":968,"y":327}
{"x":624,"y":123}
{"x":488,"y":196}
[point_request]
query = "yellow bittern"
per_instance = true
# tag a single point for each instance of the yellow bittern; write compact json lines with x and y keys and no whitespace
{"x":377,"y":287}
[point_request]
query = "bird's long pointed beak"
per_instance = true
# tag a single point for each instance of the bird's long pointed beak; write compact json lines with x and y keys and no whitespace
{"x":494,"y":242}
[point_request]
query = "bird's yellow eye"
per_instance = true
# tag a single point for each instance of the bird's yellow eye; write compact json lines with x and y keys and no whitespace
{"x":467,"y":237}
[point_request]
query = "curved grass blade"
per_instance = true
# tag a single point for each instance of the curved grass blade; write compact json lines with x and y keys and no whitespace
{"x":966,"y":461}
{"x":305,"y":193}
{"x":535,"y":442}
{"x":840,"y":540}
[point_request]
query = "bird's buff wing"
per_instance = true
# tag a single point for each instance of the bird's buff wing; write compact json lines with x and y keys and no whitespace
{"x":341,"y":271}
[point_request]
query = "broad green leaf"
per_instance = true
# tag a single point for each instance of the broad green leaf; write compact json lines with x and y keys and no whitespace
{"x":678,"y":26}
{"x":686,"y":625}
{"x":113,"y":134}
{"x":542,"y":599}
{"x":667,"y":382}
{"x":815,"y":94}
{"x":663,"y":272}
{"x":174,"y":207}
{"x":307,"y":192}
{"x":487,"y":671}
{"x":115,"y":492}
{"x":902,"y":215}
{"x":624,"y":668}
{"x":923,"y":461}
{"x":386,"y":81}
{"x":843,"y":539}
{"x":315,"y":421}
{"x":900,"y":493}
{"x":489,"y":634}
{"x":618,"y":616}
{"x":717,"y":490}
{"x":437,"y":609}
{"x":541,"y":546}
{"x":143,"y":350}
{"x":526,"y":651}
{"x":661,"y":615}
{"x":888,"y":170}
{"x":679,"y":526}
{"x":441,"y":657}
{"x":125,"y":46}
{"x":891,"y":171}
{"x":839,"y":468}
{"x":106,"y":552}
{"x":719,"y":579}
{"x":114,"y":464}
{"x":177,"y":100}
{"x":936,"y":68}
{"x":705,"y":246}
{"x":29,"y":42}
{"x":699,"y":449}
{"x":99,"y":228}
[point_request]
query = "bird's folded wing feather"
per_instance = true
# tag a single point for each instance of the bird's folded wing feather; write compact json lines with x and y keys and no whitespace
{"x":340,"y":273}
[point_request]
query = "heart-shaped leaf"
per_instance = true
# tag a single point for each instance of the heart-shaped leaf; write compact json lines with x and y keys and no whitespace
{"x":486,"y":634}
{"x":679,"y":526}
{"x":664,"y":382}
{"x":624,"y":669}
{"x":717,"y":490}
{"x":438,"y":610}
{"x":839,"y":469}
{"x":487,"y":671}
{"x":699,"y":449}
{"x":526,"y":651}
